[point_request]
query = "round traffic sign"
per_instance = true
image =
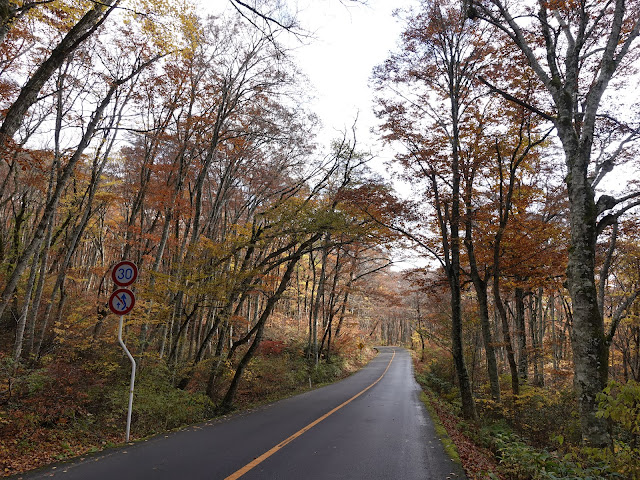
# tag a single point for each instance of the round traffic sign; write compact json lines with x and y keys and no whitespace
{"x":122,"y":301}
{"x":124,"y":273}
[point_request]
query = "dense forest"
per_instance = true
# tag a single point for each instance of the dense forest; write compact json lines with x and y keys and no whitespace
{"x":145,"y":131}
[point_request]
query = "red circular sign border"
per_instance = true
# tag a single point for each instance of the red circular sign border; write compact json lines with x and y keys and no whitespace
{"x":114,"y":295}
{"x":115,"y":269}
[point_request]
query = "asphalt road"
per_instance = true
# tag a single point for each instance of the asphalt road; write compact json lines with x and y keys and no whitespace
{"x":371,"y":425}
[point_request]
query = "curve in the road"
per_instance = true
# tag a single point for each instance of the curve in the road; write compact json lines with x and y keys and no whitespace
{"x":371,"y":425}
{"x":239,"y":473}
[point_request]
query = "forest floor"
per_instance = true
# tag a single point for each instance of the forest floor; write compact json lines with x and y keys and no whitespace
{"x":62,"y":410}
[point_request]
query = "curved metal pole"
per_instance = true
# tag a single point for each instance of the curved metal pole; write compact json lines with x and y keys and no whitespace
{"x":133,"y":375}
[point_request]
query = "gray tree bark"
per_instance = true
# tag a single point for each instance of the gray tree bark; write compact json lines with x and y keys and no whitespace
{"x":575,"y":114}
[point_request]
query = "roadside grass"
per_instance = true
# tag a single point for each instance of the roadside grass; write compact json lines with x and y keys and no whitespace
{"x":478,"y":462}
{"x":449,"y":446}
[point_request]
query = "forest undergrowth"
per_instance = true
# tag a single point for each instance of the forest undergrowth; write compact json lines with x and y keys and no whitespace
{"x":76,"y":404}
{"x":534,"y":435}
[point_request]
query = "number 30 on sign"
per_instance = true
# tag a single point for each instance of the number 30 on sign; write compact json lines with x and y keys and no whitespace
{"x":124,"y":273}
{"x":122,"y":301}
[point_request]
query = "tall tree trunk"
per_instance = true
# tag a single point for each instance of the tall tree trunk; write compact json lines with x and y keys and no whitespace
{"x":554,"y":335}
{"x":481,"y":287}
{"x":22,"y":320}
{"x":343,"y":309}
{"x":227,"y":401}
{"x":589,"y":345}
{"x":492,"y":364}
{"x":506,"y":335}
{"x":319,"y":301}
{"x":521,"y":336}
{"x":33,"y":314}
{"x":537,"y":316}
{"x":420,"y":330}
{"x":457,"y":347}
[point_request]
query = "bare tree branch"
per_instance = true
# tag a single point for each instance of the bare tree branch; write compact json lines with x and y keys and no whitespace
{"x":618,"y":315}
{"x":612,"y":218}
{"x":515,"y":100}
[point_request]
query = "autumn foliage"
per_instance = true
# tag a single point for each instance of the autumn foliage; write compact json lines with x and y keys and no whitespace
{"x":144,"y":131}
{"x":503,"y":117}
{"x":148,"y":133}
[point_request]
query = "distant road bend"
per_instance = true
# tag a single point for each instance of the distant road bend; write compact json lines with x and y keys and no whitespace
{"x":371,"y":425}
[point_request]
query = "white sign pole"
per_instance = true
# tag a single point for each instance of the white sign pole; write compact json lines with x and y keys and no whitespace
{"x":121,"y":302}
{"x":133,"y":375}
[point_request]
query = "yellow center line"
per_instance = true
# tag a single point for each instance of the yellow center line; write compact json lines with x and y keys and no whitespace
{"x":237,"y":474}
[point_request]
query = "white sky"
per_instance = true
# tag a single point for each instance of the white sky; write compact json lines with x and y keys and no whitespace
{"x":351,"y":39}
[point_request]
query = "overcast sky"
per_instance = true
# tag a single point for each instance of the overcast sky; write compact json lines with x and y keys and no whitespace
{"x":350,"y":42}
{"x":351,"y":39}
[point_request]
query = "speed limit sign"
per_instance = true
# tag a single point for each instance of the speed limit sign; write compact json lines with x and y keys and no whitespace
{"x":122,"y":301}
{"x":124,"y":273}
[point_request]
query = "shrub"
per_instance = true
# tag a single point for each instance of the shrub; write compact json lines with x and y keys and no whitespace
{"x":435,"y":383}
{"x":621,"y":404}
{"x":269,"y":348}
{"x":519,"y":461}
{"x":157,"y":404}
{"x":327,"y":372}
{"x":529,"y":414}
{"x":534,"y":408}
{"x":436,"y":372}
{"x":266,"y":376}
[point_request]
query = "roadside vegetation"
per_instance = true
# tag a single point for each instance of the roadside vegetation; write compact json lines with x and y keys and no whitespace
{"x":511,"y":125}
{"x":67,"y":408}
{"x":534,"y":435}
